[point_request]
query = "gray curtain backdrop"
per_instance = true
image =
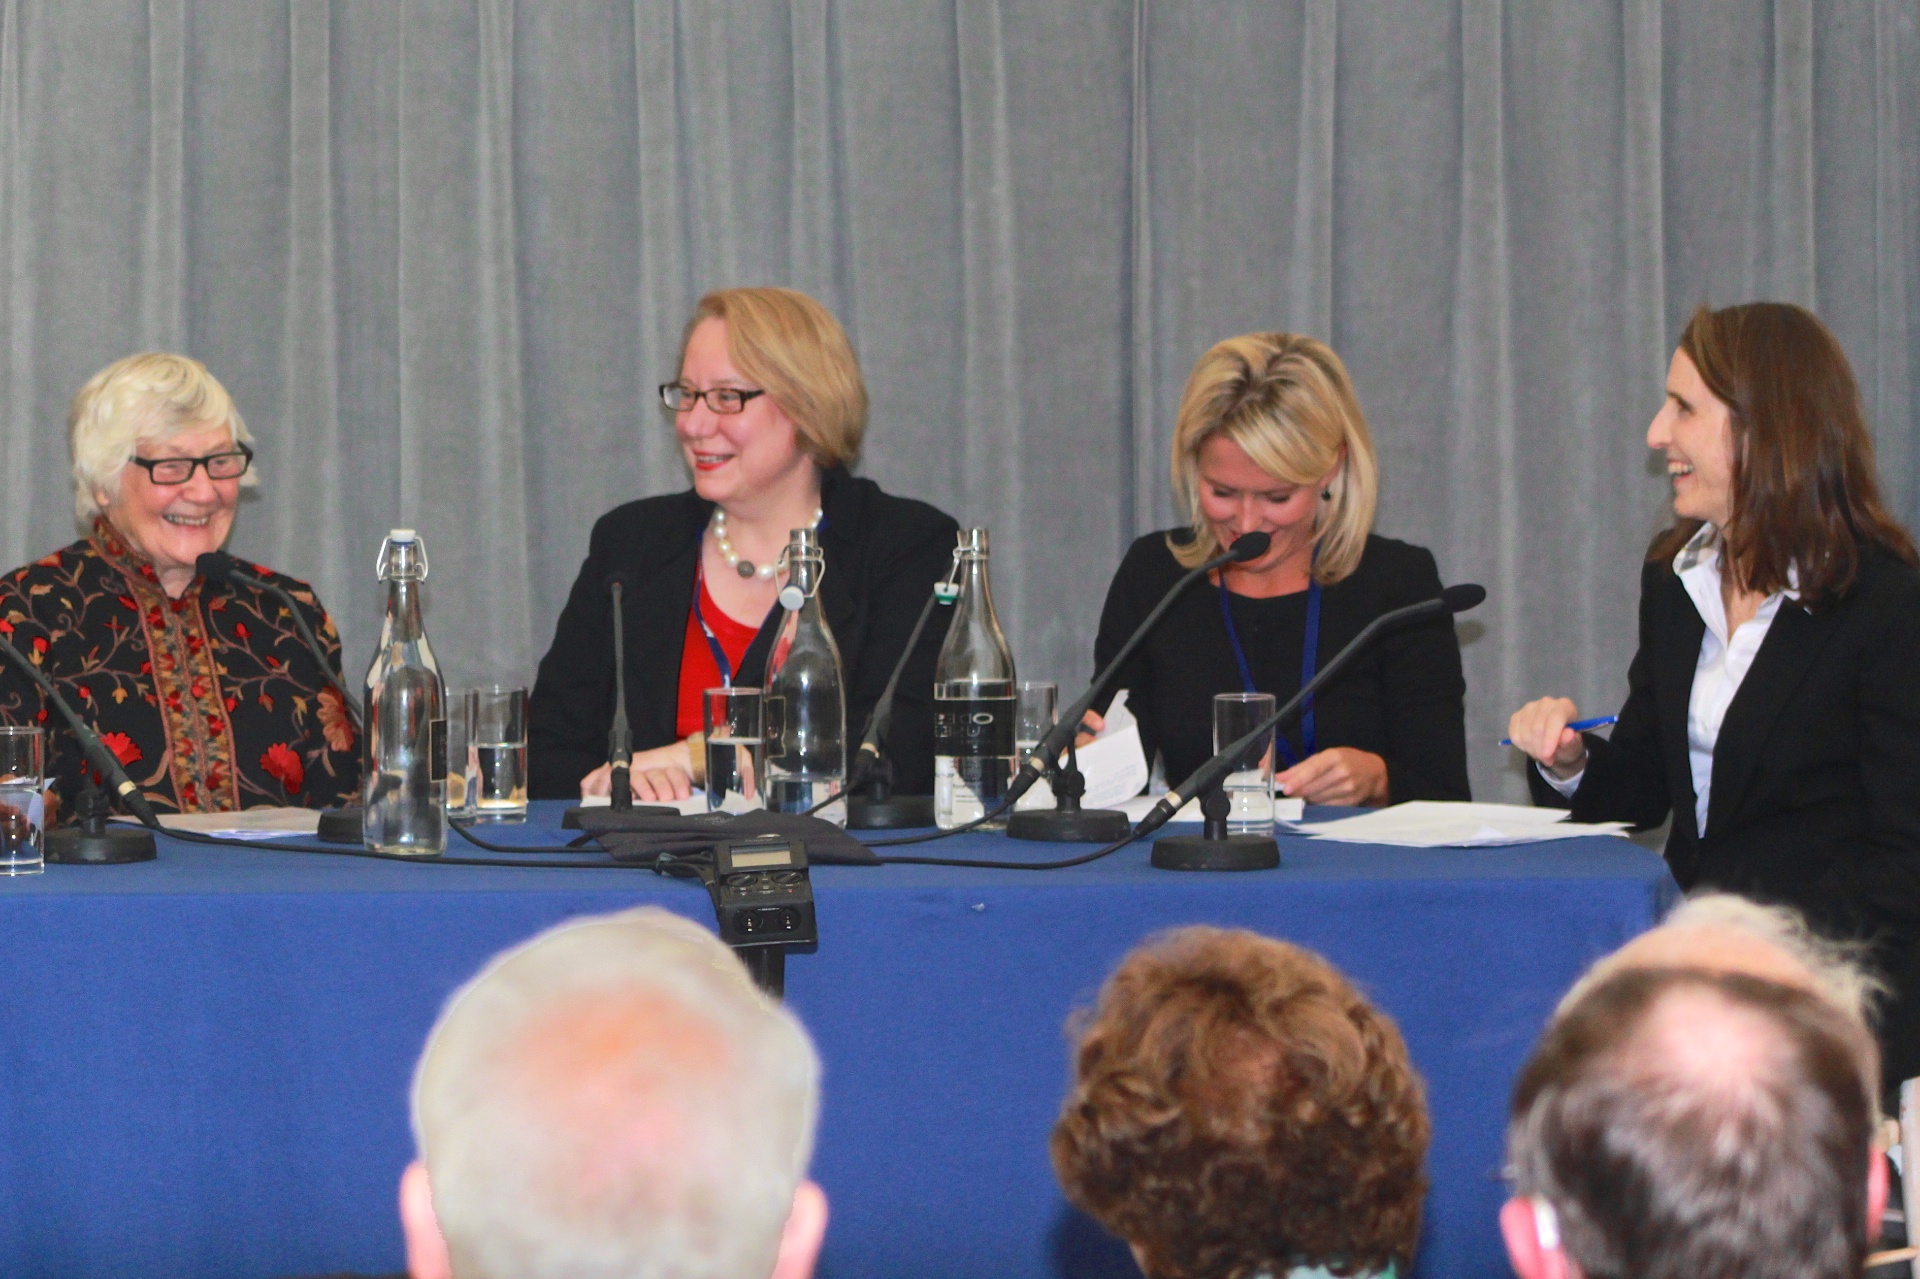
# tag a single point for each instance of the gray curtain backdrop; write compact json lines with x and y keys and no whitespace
{"x":441,"y":253}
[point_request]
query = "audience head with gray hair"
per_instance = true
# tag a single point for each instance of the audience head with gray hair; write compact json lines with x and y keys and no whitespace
{"x":614,"y":1098}
{"x":1726,"y":933}
{"x":1683,"y":1123}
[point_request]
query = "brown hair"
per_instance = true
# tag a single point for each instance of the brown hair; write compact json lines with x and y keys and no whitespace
{"x":1239,"y":1107}
{"x":1806,"y":492}
{"x":1287,"y":401}
{"x":1664,"y":1161}
{"x":794,"y":349}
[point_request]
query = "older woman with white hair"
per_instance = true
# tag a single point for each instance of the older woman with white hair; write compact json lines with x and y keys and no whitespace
{"x":206,"y":693}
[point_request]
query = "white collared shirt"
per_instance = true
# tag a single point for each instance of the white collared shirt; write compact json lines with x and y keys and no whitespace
{"x":1723,"y":663}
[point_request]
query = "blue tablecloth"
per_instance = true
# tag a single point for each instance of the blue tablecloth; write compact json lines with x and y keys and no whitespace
{"x":204,"y":1060}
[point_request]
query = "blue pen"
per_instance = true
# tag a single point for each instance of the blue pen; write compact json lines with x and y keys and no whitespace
{"x":1578,"y":726}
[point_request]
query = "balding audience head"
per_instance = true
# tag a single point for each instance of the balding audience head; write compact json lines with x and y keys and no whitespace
{"x":1679,"y":1123}
{"x":614,"y":1098}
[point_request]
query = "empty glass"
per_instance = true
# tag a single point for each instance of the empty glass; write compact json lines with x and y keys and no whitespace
{"x":463,"y":762}
{"x":736,"y":748}
{"x":1035,"y":708}
{"x":23,"y":805}
{"x":1249,"y":787}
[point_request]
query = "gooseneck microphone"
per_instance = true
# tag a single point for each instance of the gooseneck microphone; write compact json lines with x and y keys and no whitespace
{"x":1245,"y":548}
{"x":884,"y":810}
{"x":619,"y":813}
{"x":1212,"y":851}
{"x":222,"y":569}
{"x":93,"y":843}
{"x":619,"y":738}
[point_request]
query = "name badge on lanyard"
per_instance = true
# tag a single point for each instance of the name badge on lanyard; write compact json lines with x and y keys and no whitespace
{"x":1309,"y":662}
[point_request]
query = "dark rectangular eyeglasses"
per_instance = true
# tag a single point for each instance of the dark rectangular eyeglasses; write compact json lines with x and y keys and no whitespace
{"x":178,"y":470}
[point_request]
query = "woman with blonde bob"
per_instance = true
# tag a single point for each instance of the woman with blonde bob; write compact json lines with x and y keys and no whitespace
{"x":1270,"y":438}
{"x":206,"y":693}
{"x":769,"y":409}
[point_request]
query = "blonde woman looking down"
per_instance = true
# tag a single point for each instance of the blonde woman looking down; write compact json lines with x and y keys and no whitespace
{"x":1270,"y":438}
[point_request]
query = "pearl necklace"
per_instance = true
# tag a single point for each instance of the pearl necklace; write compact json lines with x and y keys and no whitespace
{"x":745,"y":567}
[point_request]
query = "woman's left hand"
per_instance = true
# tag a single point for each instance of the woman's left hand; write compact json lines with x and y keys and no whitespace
{"x":1341,"y":775}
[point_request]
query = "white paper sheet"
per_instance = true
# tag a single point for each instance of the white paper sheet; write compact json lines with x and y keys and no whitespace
{"x":1437,"y":824}
{"x":1112,"y":763}
{"x":249,"y":823}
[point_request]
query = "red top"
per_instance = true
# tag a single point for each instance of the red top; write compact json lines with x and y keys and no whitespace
{"x":698,"y":671}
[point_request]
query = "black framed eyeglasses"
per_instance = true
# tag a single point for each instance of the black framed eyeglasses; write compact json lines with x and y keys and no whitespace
{"x":725,"y":400}
{"x":178,"y":470}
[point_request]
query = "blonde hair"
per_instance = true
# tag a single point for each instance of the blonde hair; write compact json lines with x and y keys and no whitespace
{"x":152,"y":396}
{"x":796,"y":351}
{"x":615,"y":1098}
{"x":1287,"y":401}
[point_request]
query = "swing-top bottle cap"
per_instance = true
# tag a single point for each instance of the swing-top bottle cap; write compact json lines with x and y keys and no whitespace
{"x":403,"y":535}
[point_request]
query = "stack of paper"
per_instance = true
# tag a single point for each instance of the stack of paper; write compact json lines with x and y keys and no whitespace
{"x":1435,"y":824}
{"x":250,"y":823}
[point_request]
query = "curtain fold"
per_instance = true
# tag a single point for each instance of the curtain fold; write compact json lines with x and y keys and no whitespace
{"x":442,"y":253}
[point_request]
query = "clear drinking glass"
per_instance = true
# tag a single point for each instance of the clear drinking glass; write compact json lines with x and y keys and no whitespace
{"x":500,"y":752}
{"x":736,"y":748}
{"x":1035,"y":708}
{"x":23,"y":804}
{"x":1249,"y":788}
{"x":463,"y":762}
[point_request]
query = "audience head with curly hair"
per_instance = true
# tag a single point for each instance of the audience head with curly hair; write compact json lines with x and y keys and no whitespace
{"x":1239,"y":1109}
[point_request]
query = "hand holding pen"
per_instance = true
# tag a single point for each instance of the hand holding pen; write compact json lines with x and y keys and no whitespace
{"x":1549,"y":729}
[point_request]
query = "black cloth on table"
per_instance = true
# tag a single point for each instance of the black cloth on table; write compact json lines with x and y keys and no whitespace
{"x":883,"y":556}
{"x":211,"y":702}
{"x":1816,"y":772}
{"x":1404,"y":699}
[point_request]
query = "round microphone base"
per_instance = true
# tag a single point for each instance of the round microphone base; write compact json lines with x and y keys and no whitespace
{"x":340,"y":826}
{"x":1197,"y":852}
{"x":896,"y":812}
{"x":114,"y":846}
{"x":1082,"y":826}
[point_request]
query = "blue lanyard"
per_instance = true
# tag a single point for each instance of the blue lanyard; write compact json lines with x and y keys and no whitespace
{"x":1309,"y":662}
{"x":713,"y":641}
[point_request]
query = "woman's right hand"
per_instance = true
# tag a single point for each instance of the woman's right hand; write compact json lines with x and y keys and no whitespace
{"x":663,"y":773}
{"x":1540,"y":729}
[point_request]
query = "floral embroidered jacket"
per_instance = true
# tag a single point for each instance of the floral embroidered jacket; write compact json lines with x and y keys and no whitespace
{"x":211,"y":701}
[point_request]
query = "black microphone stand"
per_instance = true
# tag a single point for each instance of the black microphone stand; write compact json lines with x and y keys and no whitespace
{"x":1067,"y":822}
{"x":619,"y":813}
{"x":879,"y":808}
{"x":92,"y":842}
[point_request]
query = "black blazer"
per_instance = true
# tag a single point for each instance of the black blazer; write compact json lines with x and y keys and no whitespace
{"x":1816,"y":773}
{"x":1403,"y":700}
{"x":883,"y":556}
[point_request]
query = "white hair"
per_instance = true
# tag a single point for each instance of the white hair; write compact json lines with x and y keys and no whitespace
{"x":614,"y":1098}
{"x":150,"y":397}
{"x":1838,"y":970}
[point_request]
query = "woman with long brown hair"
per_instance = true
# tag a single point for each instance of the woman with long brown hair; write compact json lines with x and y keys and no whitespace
{"x":1774,"y":706}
